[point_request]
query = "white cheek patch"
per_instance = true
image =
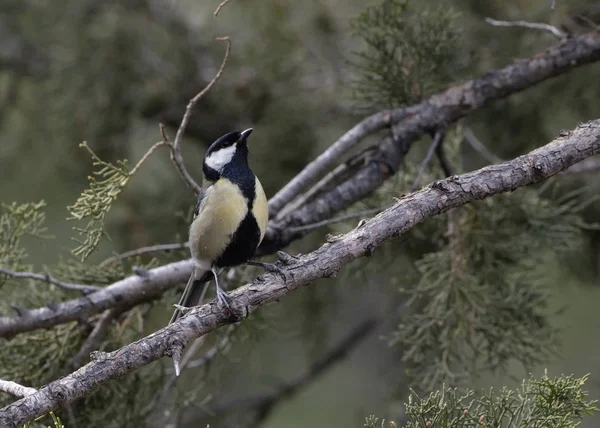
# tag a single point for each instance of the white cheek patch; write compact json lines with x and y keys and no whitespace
{"x":217,"y":160}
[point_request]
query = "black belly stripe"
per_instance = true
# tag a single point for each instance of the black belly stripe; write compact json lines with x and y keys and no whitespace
{"x":243,"y":244}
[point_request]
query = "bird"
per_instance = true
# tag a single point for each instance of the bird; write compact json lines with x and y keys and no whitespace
{"x":229,"y":221}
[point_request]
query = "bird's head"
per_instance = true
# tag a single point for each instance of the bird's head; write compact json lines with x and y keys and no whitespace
{"x":227,"y":153}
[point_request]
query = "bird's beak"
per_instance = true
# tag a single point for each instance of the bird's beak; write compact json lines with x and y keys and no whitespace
{"x":246,"y":133}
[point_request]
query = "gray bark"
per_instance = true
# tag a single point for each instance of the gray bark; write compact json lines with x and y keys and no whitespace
{"x":437,"y":198}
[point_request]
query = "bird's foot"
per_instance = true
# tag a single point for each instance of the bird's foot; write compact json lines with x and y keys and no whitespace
{"x":223,"y":298}
{"x":269,"y":267}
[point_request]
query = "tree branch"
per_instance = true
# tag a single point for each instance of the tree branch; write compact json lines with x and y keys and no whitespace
{"x":15,"y":389}
{"x":124,"y":294}
{"x":433,"y":148}
{"x":176,"y":145}
{"x":332,"y":156}
{"x":532,"y":25}
{"x":145,"y":250}
{"x":439,"y":110}
{"x":410,"y":210}
{"x":92,"y":341}
{"x":50,"y":280}
{"x":380,"y":164}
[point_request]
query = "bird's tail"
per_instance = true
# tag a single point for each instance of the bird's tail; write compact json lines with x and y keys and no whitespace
{"x":192,"y":292}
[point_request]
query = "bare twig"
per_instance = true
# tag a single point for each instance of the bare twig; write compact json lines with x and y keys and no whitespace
{"x":50,"y":280}
{"x":176,"y":145}
{"x":533,"y":25}
{"x":480,"y":147}
{"x":409,"y":211}
{"x":145,"y":250}
{"x":92,"y":341}
{"x":331,"y":156}
{"x":437,"y":141}
{"x":15,"y":389}
{"x":147,"y":155}
{"x":219,"y":7}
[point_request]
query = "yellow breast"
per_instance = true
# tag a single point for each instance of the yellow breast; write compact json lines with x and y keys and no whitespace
{"x":219,"y":214}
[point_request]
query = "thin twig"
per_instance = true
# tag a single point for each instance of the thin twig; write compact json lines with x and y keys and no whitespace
{"x":51,"y":280}
{"x":437,"y":141}
{"x":92,"y":341}
{"x":145,"y":250}
{"x":146,"y":156}
{"x":176,"y":145}
{"x":480,"y":147}
{"x":532,"y":25}
{"x":219,"y":7}
{"x":15,"y":389}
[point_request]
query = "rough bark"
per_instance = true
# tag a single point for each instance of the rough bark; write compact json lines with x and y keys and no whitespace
{"x":434,"y":113}
{"x":437,"y":198}
{"x":126,"y":293}
{"x":379,"y":164}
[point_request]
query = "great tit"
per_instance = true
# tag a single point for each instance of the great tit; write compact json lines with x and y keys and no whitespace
{"x":230,"y":218}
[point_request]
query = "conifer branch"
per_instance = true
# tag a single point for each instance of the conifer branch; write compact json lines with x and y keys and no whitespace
{"x":437,"y":198}
{"x":409,"y":124}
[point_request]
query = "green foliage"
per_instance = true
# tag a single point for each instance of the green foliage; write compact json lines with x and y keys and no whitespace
{"x":549,"y":403}
{"x":480,"y":300}
{"x":17,"y":221}
{"x":410,"y":53}
{"x":373,"y":422}
{"x":56,"y":422}
{"x":106,"y":183}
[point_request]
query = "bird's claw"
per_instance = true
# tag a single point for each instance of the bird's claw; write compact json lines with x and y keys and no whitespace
{"x":223,"y":299}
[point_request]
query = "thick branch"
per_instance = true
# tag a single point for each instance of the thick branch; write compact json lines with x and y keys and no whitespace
{"x":410,"y":210}
{"x":126,"y":293}
{"x":381,"y":163}
{"x":331,"y":156}
{"x":436,"y":112}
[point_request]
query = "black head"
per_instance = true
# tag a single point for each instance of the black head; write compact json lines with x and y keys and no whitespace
{"x":228,"y":153}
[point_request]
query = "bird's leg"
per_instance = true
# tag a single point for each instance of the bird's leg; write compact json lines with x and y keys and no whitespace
{"x":269,"y":267}
{"x":222,"y":296}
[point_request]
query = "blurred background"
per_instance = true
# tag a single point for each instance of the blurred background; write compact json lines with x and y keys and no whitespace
{"x":108,"y":72}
